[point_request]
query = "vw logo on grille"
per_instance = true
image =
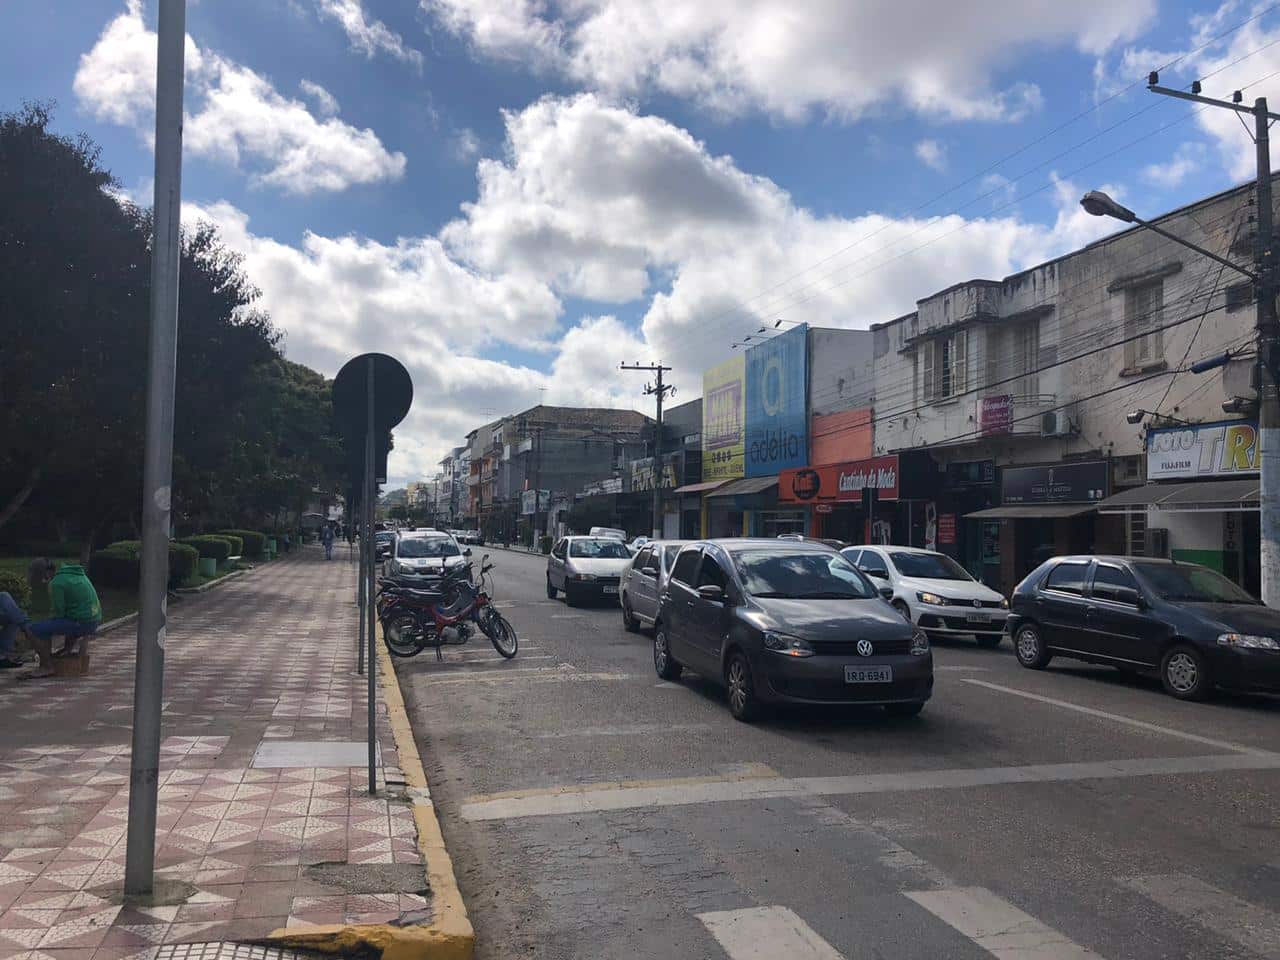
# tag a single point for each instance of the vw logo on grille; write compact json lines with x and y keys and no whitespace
{"x":977,"y":603}
{"x":864,"y":647}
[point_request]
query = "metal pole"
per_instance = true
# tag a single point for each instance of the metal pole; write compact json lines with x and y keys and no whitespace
{"x":535,"y":541}
{"x":657,"y":462}
{"x":360,"y":600}
{"x":1268,"y":401}
{"x":370,"y":495}
{"x":144,"y":761}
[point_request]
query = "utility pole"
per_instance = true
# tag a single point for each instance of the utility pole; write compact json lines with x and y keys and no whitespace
{"x":1264,"y":258}
{"x":537,"y":479}
{"x":157,"y":471}
{"x":659,"y":390}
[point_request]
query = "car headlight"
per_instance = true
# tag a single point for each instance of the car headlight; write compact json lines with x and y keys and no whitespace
{"x":919,"y":643}
{"x":1248,"y":641}
{"x":786,"y":645}
{"x":932,"y":598}
{"x":1004,"y":604}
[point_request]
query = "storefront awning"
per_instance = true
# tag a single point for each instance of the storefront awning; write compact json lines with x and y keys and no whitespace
{"x":1198,"y":495}
{"x":748,"y":485}
{"x":1030,"y":511}
{"x":699,"y":487}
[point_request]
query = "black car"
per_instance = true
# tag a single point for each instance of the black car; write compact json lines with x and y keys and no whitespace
{"x":785,"y":621}
{"x":384,"y":542}
{"x":1189,"y":624}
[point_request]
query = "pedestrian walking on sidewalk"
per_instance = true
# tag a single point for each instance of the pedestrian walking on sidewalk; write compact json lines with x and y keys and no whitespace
{"x":12,"y":619}
{"x":76,"y":612}
{"x":326,"y":537}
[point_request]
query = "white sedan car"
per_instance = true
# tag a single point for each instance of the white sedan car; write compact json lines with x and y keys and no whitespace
{"x":934,"y":592}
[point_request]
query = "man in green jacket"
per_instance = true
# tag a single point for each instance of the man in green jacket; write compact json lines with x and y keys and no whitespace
{"x":76,"y":615}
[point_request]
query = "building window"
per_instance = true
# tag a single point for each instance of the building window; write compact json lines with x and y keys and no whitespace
{"x":1026,"y":357}
{"x":1143,"y":316}
{"x":945,"y":362}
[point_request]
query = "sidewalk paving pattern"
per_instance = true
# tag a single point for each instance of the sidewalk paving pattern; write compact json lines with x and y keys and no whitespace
{"x":266,"y":657}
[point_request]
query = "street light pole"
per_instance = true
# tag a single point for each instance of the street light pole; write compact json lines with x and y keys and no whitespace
{"x":658,"y":390}
{"x":1264,"y":281}
{"x":157,"y":475}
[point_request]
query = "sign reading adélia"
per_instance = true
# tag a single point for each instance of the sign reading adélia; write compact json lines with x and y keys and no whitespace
{"x":1226,"y":449}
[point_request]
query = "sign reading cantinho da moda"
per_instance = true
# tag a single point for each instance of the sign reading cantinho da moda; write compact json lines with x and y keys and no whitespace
{"x":1226,"y":449}
{"x":723,"y":419}
{"x":777,"y":435}
{"x":841,"y":482}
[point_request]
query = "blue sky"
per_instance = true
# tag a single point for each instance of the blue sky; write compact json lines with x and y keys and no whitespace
{"x":513,"y":195}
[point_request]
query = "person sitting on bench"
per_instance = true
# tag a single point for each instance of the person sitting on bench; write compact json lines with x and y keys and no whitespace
{"x":76,"y":613}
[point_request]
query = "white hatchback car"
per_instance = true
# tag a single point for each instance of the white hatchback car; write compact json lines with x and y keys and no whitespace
{"x":934,"y":592}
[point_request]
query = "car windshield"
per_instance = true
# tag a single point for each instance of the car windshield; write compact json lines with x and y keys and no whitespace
{"x":599,"y":549}
{"x":800,"y":575}
{"x":929,"y":566}
{"x":415,"y":548}
{"x":1191,"y":584}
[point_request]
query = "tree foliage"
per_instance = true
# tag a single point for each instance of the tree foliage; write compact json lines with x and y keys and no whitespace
{"x":254,"y":437}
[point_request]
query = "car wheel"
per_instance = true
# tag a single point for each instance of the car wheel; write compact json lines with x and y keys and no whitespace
{"x":663,"y":662}
{"x":741,"y":688}
{"x":989,"y":641}
{"x":904,"y":710}
{"x":1184,"y":673}
{"x":1029,"y":647}
{"x":551,"y":591}
{"x":629,"y":621}
{"x":903,"y":609}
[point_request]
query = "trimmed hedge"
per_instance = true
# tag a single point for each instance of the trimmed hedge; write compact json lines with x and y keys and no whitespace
{"x":210,"y":546}
{"x":237,"y":543}
{"x":254,"y":543}
{"x":15,"y":584}
{"x":119,"y":564}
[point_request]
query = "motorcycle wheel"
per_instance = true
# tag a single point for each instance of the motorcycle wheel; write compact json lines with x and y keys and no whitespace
{"x":500,"y":633}
{"x":403,"y":635}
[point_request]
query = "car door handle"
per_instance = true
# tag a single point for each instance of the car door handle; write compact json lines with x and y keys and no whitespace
{"x":1090,"y":611}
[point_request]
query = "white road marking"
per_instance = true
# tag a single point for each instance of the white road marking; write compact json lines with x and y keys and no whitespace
{"x":529,"y":676}
{"x":1117,"y":718}
{"x":495,"y":659}
{"x":999,"y":927}
{"x":960,"y":668}
{"x":576,"y":800}
{"x":1247,"y":924}
{"x":766,"y":933}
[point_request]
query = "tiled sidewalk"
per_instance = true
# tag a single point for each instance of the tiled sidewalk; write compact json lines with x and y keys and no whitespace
{"x":267,"y":657}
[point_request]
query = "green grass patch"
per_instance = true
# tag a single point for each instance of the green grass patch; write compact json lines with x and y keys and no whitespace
{"x":115,"y":603}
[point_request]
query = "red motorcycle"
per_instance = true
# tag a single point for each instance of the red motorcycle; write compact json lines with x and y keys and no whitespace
{"x":414,"y":619}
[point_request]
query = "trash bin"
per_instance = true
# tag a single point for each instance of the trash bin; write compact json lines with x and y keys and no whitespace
{"x":271,"y":548}
{"x":208,"y":566}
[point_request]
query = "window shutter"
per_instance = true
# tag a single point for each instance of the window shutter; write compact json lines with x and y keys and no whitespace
{"x":960,"y":362}
{"x":926,"y":360}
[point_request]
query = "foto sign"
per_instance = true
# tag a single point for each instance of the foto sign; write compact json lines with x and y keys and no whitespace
{"x":1226,"y":449}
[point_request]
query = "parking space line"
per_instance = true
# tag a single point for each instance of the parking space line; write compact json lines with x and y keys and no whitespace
{"x":999,"y":927}
{"x":1118,"y":718}
{"x":1247,"y":924}
{"x":578,"y":800}
{"x":532,"y":675}
{"x":766,"y":933}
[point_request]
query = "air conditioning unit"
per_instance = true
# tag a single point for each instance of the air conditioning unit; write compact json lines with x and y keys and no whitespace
{"x":1157,"y":542}
{"x":1055,"y":423}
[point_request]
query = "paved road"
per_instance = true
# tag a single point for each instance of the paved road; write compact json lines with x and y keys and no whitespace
{"x":596,"y":812}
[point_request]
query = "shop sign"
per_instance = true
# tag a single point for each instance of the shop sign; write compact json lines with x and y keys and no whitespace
{"x":822,"y":507}
{"x":642,"y":474}
{"x":947,"y":529}
{"x":971,"y":473}
{"x":776,"y":428}
{"x":528,"y":503}
{"x":991,"y":541}
{"x":840,"y":482}
{"x":995,"y":415}
{"x":1084,"y":482}
{"x":1227,"y":449}
{"x":723,"y":419}
{"x":611,"y":485}
{"x":841,"y":437}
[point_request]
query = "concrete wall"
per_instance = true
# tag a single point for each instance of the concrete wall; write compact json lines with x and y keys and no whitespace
{"x":841,"y":370}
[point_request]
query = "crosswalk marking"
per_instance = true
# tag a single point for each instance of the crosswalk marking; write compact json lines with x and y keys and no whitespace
{"x":1226,"y":915}
{"x":766,"y":933}
{"x":999,"y":927}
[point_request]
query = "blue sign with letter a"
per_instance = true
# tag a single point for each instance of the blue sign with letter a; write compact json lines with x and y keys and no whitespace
{"x":777,"y":428}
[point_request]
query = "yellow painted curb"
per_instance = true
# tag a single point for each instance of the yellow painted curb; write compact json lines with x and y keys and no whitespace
{"x":450,"y":935}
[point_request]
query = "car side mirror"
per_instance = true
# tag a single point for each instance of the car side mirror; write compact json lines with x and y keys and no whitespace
{"x":875,"y":573}
{"x":466,"y":552}
{"x":649,"y":571}
{"x":887,"y":592}
{"x":1130,"y":596}
{"x":711,"y":592}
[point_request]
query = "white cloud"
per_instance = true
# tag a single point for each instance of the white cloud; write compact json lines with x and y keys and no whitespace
{"x":326,"y":102}
{"x":932,"y":154}
{"x":235,"y":115}
{"x":788,"y":59}
{"x":368,"y":36}
{"x":466,"y":145}
{"x":1170,"y":173}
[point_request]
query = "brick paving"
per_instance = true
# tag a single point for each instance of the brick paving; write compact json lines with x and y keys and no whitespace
{"x":268,"y":656}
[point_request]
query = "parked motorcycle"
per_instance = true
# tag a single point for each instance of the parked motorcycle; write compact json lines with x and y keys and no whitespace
{"x":413,"y":619}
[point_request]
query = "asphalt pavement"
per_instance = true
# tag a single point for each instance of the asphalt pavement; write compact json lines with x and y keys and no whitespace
{"x":594,"y":811}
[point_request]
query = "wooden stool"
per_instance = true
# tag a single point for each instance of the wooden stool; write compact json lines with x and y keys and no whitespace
{"x":77,"y":666}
